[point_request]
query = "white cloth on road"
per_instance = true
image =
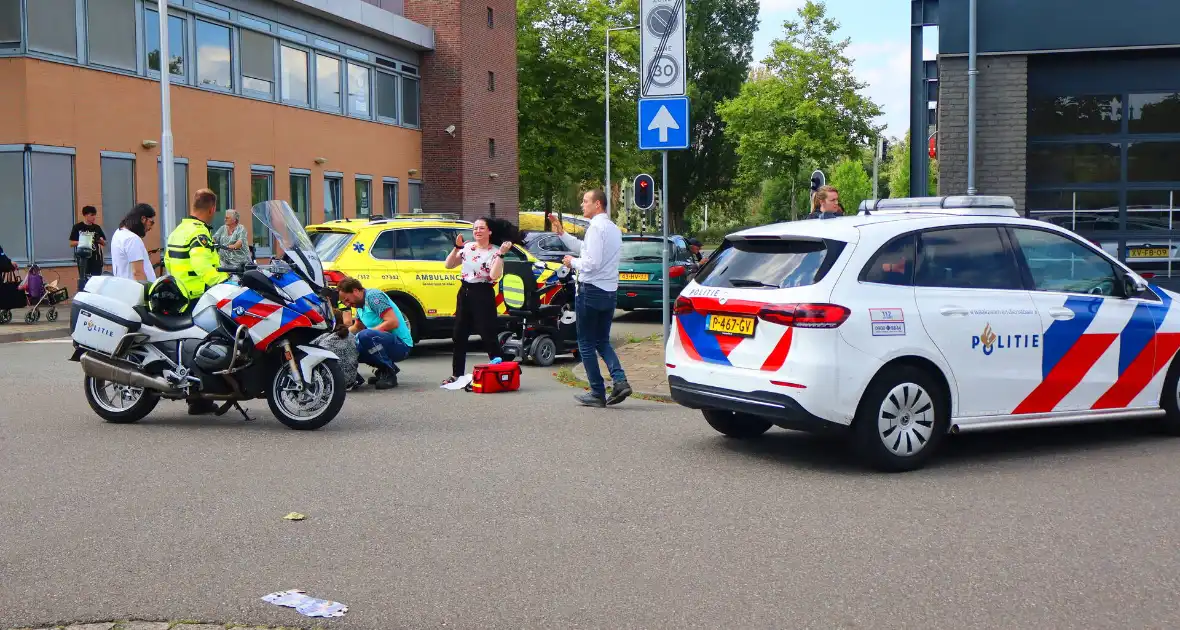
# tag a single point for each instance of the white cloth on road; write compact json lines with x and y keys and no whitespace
{"x":128,"y":248}
{"x":598,"y":257}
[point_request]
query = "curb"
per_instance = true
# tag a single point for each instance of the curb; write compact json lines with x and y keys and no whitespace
{"x":33,"y":335}
{"x":579,"y":381}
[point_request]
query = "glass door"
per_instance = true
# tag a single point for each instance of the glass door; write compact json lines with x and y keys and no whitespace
{"x":261,"y":189}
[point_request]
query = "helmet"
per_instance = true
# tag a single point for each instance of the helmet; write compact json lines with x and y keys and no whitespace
{"x":165,"y":297}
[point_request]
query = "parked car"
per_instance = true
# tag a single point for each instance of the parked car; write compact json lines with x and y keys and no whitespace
{"x":641,"y":267}
{"x":546,"y":246}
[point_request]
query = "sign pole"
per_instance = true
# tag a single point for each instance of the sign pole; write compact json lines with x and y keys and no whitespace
{"x":169,"y":218}
{"x":664,"y":224}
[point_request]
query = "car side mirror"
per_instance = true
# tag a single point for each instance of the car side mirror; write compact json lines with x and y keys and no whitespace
{"x":1134,"y":285}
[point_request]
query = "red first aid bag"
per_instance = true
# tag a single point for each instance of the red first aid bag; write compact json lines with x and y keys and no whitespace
{"x":494,"y":378}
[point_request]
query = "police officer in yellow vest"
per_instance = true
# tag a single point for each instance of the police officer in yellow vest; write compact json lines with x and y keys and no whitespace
{"x":191,"y":258}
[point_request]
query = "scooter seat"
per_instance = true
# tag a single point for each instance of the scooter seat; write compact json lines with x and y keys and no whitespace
{"x":170,"y":323}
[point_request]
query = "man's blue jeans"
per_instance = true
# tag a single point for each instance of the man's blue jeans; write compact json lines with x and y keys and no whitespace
{"x":381,"y":349}
{"x":595,"y":310}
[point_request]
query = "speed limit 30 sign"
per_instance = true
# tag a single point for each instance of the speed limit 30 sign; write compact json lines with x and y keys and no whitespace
{"x":662,"y":42}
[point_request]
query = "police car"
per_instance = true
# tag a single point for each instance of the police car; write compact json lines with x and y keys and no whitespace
{"x":917,"y":318}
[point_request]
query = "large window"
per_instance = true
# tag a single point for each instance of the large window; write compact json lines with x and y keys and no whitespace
{"x":110,"y":33}
{"x":301,"y":196}
{"x":358,"y":90}
{"x":364,"y":197}
{"x":410,"y":102}
{"x":52,"y":27}
{"x":387,"y":97}
{"x":220,"y":179}
{"x":118,"y":191}
{"x":327,"y":83}
{"x":294,"y":69}
{"x":258,"y":63}
{"x":333,"y":189}
{"x":10,"y":24}
{"x":12,"y":205}
{"x":1153,"y":162}
{"x":1065,"y":163}
{"x":1154,"y":113}
{"x":967,"y":258}
{"x":52,"y":205}
{"x":176,"y":42}
{"x":1074,"y":115}
{"x":214,"y":62}
{"x":261,"y":189}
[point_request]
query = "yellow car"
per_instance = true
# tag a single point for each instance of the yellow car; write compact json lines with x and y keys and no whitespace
{"x":534,"y":221}
{"x":404,"y":257}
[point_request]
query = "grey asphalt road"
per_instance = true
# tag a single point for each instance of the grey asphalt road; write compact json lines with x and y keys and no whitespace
{"x":432,"y":509}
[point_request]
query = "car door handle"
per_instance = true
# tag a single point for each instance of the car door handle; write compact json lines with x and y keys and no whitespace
{"x":953,"y":311}
{"x":1058,"y":312}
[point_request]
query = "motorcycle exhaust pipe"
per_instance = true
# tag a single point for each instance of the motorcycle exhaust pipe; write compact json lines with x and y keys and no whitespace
{"x":107,"y":370}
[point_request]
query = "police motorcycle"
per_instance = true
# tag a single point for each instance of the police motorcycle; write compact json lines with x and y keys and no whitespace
{"x":247,"y":338}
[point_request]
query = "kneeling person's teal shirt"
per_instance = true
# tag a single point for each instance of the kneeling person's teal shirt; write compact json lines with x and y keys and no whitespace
{"x":376,"y":303}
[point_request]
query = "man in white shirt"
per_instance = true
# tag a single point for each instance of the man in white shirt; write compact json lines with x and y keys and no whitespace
{"x":128,"y":253}
{"x":597,"y":265}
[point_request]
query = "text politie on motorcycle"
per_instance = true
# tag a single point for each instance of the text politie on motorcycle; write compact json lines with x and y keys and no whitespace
{"x":191,"y":258}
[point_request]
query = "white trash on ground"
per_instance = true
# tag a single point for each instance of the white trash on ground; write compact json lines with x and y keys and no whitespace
{"x":305,"y":605}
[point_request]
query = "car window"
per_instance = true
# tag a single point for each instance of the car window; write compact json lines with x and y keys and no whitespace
{"x":770,"y":264}
{"x":966,"y":258}
{"x":329,"y":245}
{"x":553,"y":244}
{"x":894,"y":264}
{"x":384,"y":245}
{"x":430,"y":244}
{"x":1061,"y":264}
{"x":643,"y":250}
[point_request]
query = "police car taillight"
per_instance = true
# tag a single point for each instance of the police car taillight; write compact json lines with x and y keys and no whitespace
{"x":805,"y":315}
{"x":682,"y":306}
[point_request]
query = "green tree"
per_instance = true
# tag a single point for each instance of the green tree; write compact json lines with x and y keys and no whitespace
{"x":854,"y":184}
{"x":899,"y":171}
{"x":804,"y":108}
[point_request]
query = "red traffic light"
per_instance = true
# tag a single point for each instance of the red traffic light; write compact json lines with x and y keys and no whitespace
{"x":643,"y":183}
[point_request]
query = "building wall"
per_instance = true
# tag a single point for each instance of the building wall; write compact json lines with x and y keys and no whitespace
{"x":93,"y":111}
{"x":1001,"y":128}
{"x":458,"y":170}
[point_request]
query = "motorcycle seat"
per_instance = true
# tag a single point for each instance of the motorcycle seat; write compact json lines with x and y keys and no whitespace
{"x":170,"y":323}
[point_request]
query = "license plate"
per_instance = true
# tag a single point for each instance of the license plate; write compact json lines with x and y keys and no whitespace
{"x":1148,"y":252}
{"x":634,"y":276}
{"x":731,"y":325}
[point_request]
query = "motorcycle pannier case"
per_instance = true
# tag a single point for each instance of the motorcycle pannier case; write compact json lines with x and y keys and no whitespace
{"x":99,"y":322}
{"x":495,"y":378}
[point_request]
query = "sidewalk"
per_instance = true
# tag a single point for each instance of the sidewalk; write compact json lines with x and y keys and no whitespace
{"x":18,"y":330}
{"x":643,"y":360}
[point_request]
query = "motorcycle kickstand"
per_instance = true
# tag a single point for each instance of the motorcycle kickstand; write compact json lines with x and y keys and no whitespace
{"x":233,"y":403}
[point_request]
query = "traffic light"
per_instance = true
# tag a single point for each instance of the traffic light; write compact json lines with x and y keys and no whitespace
{"x":933,"y":148}
{"x":817,"y":180}
{"x":645,"y":191}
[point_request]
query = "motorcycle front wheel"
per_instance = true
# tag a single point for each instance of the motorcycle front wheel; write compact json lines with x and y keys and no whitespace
{"x":315,"y":406}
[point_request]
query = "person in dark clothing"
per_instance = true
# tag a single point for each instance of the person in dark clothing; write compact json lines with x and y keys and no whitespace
{"x":482,"y":266}
{"x":826,"y":203}
{"x":91,"y":266}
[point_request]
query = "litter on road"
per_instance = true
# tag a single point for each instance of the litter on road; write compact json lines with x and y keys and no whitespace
{"x":305,"y":605}
{"x":294,"y":516}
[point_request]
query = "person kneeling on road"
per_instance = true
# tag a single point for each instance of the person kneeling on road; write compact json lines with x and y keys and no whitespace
{"x":382,"y":335}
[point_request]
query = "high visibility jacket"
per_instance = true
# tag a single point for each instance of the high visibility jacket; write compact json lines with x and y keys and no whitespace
{"x":191,"y":258}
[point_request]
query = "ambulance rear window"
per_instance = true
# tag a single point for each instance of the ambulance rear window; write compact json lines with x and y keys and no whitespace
{"x":772,"y":263}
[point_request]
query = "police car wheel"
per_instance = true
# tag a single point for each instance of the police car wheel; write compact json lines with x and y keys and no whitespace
{"x":742,"y":426}
{"x":1170,"y":400}
{"x":901,"y":421}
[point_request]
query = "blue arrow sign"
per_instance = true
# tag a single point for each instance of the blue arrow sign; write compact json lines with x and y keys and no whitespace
{"x":663,"y":124}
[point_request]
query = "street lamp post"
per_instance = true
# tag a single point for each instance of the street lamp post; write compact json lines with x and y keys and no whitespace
{"x":166,"y":195}
{"x":606,"y":61}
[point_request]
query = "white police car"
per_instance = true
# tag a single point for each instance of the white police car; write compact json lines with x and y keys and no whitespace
{"x":917,"y":318}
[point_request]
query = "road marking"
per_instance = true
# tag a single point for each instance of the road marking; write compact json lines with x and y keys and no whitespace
{"x":61,"y":340}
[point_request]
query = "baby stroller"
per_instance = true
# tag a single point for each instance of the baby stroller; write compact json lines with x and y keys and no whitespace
{"x":543,"y":324}
{"x":11,"y":294}
{"x":38,"y":293}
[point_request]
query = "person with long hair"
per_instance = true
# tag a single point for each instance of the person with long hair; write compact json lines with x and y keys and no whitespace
{"x":826,"y":203}
{"x":482,"y":266}
{"x":127,"y":246}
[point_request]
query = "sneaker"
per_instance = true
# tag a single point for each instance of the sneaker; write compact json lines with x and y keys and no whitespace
{"x":590,"y":400}
{"x":387,"y":380}
{"x":619,"y":393}
{"x":376,"y":376}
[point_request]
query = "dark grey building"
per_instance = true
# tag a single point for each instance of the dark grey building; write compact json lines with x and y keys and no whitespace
{"x":1077,"y":115}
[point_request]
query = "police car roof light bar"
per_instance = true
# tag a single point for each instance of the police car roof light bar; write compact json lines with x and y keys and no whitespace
{"x":963,"y":205}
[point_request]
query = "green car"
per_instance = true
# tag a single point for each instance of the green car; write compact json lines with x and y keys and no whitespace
{"x":640,"y":265}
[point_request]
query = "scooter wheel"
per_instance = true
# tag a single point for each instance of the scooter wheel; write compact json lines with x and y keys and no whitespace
{"x":544,"y":351}
{"x":51,"y":315}
{"x":32,"y":316}
{"x":5,"y":316}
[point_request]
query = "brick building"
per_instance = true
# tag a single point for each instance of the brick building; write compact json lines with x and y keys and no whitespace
{"x":344,"y":108}
{"x":1077,"y":115}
